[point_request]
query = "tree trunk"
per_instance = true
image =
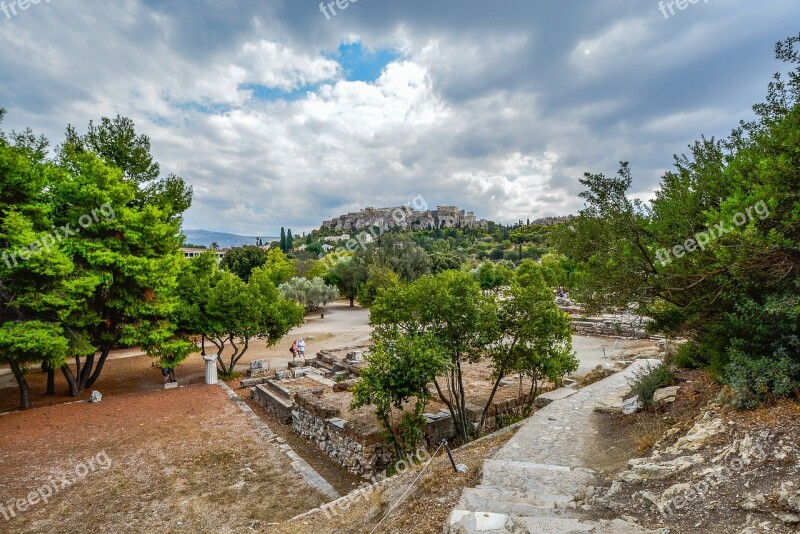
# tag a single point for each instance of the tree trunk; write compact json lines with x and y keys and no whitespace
{"x":220,"y":344}
{"x":51,"y":381}
{"x":463,"y":397}
{"x":500,"y":377}
{"x":24,"y":390}
{"x":73,"y":384}
{"x":203,"y":345}
{"x":352,"y":302}
{"x":83,"y":374}
{"x":100,"y":363}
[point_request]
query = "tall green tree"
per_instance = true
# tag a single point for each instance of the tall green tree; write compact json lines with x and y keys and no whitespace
{"x":283,"y":239}
{"x":451,"y":307}
{"x":714,"y":257}
{"x":534,"y":338}
{"x":289,"y":241}
{"x":399,"y":370}
{"x":347,"y":274}
{"x":240,"y":312}
{"x":242,"y":260}
{"x":38,"y":285}
{"x":129,"y":236}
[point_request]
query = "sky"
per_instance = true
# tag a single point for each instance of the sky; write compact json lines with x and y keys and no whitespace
{"x":289,"y":112}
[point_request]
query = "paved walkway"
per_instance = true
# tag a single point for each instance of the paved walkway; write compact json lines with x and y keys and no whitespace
{"x":531,"y":482}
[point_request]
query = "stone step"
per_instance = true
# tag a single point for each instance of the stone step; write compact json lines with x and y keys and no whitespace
{"x":468,"y":522}
{"x":541,"y":478}
{"x":496,"y":500}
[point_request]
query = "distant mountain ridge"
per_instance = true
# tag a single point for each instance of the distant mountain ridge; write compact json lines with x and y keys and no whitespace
{"x":223,"y":240}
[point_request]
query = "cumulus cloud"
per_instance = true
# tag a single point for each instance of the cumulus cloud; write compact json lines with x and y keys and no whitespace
{"x":498,"y":108}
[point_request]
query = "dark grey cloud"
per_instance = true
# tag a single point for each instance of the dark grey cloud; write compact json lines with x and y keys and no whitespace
{"x":498,"y":107}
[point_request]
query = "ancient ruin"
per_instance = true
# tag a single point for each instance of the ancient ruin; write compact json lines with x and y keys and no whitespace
{"x":405,"y":217}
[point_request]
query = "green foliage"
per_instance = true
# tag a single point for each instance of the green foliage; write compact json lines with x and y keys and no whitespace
{"x":279,"y":267}
{"x":348,"y":275}
{"x":533,"y":339}
{"x":402,"y":255}
{"x":399,"y":370}
{"x":756,"y":380}
{"x":111,"y":281}
{"x":647,"y":381}
{"x":494,"y":276}
{"x":309,"y":293}
{"x":239,"y":312}
{"x":242,"y":260}
{"x":378,"y":280}
{"x":451,"y":307}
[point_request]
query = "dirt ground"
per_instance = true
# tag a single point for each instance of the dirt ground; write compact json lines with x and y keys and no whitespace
{"x":181,"y":460}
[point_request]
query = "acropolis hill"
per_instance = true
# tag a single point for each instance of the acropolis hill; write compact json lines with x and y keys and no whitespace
{"x":405,"y":217}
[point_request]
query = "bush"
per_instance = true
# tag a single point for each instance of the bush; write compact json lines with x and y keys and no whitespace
{"x":688,"y":356}
{"x":646,"y":382}
{"x":756,"y":380}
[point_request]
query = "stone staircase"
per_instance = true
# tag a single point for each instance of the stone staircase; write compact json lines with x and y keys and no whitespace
{"x":531,"y":484}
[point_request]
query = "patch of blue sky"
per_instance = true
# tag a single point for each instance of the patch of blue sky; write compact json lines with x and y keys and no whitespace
{"x":362,"y":64}
{"x":262,"y":92}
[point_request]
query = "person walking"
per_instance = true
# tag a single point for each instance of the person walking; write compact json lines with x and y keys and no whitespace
{"x":301,"y":347}
{"x":294,"y":349}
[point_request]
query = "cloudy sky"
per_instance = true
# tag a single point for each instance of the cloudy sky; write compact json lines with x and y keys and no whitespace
{"x":280,"y":114}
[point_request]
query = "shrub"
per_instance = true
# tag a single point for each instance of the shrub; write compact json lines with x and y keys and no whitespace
{"x":688,"y":356}
{"x":646,"y":382}
{"x":756,"y":380}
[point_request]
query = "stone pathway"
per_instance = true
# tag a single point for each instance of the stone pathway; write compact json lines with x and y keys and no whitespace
{"x":309,"y":474}
{"x":529,"y":486}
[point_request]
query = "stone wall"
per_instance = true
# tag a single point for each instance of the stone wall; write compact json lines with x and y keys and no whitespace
{"x":607,"y":327}
{"x":320,"y":422}
{"x":363,"y":452}
{"x":276,"y":402}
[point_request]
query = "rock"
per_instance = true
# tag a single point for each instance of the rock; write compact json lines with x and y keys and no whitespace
{"x":632,"y":405}
{"x":753,"y":503}
{"x":699,"y":435}
{"x":96,"y":396}
{"x":672,"y":491}
{"x":665,"y":395}
{"x":788,"y":519}
{"x":648,"y":469}
{"x":630,"y":477}
{"x":789,"y":496}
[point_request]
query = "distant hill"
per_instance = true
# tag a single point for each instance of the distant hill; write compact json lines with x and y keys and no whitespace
{"x":223,"y":240}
